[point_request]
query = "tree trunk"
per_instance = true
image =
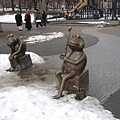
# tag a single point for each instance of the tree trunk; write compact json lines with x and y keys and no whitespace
{"x":35,"y":4}
{"x":3,"y":5}
{"x":12,"y":1}
{"x":0,"y":27}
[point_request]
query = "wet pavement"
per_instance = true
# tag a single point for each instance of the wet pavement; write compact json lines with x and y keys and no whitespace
{"x":103,"y":61}
{"x":58,"y":45}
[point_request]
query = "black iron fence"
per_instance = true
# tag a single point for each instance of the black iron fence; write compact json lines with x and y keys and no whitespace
{"x":88,"y":13}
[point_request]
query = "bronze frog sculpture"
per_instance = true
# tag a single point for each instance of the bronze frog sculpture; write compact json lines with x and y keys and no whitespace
{"x":73,"y":65}
{"x":18,"y":49}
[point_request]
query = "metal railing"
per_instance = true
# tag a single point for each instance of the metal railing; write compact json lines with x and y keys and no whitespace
{"x":87,"y":13}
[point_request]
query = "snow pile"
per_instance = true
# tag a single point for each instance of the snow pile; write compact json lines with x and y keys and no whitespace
{"x":46,"y":37}
{"x":28,"y":103}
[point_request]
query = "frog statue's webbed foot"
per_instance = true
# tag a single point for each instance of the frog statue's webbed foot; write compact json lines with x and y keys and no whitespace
{"x":62,"y":56}
{"x":10,"y":69}
{"x":57,"y":96}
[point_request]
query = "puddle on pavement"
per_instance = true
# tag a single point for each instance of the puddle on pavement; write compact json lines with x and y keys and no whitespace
{"x":34,"y":74}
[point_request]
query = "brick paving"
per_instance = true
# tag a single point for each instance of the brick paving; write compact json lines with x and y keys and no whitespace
{"x":103,"y":62}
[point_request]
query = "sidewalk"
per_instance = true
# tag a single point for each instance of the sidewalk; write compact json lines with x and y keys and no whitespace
{"x":113,"y":103}
{"x":104,"y":68}
{"x":103,"y":64}
{"x":87,"y":22}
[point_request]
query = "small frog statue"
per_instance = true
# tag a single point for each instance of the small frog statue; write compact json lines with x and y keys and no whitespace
{"x":73,"y":65}
{"x":17,"y":49}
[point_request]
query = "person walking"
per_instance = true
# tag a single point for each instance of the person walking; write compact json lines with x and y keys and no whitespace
{"x":28,"y":20}
{"x":18,"y":19}
{"x":44,"y":18}
{"x":38,"y":19}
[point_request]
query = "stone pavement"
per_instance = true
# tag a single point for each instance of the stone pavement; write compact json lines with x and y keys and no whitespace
{"x":104,"y":67}
{"x":103,"y":64}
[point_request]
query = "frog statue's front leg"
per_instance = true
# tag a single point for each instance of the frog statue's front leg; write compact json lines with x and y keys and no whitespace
{"x":63,"y":81}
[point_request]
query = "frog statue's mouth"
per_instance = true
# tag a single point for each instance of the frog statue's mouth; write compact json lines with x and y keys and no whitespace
{"x":74,"y":42}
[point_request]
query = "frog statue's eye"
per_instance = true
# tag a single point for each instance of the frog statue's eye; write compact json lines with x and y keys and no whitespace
{"x":81,"y":45}
{"x":77,"y":36}
{"x":10,"y":35}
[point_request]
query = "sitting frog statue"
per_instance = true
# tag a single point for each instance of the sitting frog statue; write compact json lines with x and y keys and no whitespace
{"x":73,"y":65}
{"x":18,"y":49}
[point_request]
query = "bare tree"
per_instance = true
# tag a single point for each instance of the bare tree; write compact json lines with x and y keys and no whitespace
{"x":55,"y":3}
{"x":0,"y":27}
{"x":35,"y":4}
{"x":47,"y":3}
{"x":2,"y":4}
{"x":12,"y":1}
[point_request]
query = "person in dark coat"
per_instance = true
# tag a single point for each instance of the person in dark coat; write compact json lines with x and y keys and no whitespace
{"x":18,"y":19}
{"x":28,"y":21}
{"x":44,"y":18}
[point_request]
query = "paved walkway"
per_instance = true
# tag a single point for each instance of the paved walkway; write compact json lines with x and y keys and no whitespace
{"x":103,"y":64}
{"x":104,"y":67}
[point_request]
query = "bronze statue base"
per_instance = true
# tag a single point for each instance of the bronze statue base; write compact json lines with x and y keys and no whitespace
{"x":79,"y":82}
{"x":25,"y":61}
